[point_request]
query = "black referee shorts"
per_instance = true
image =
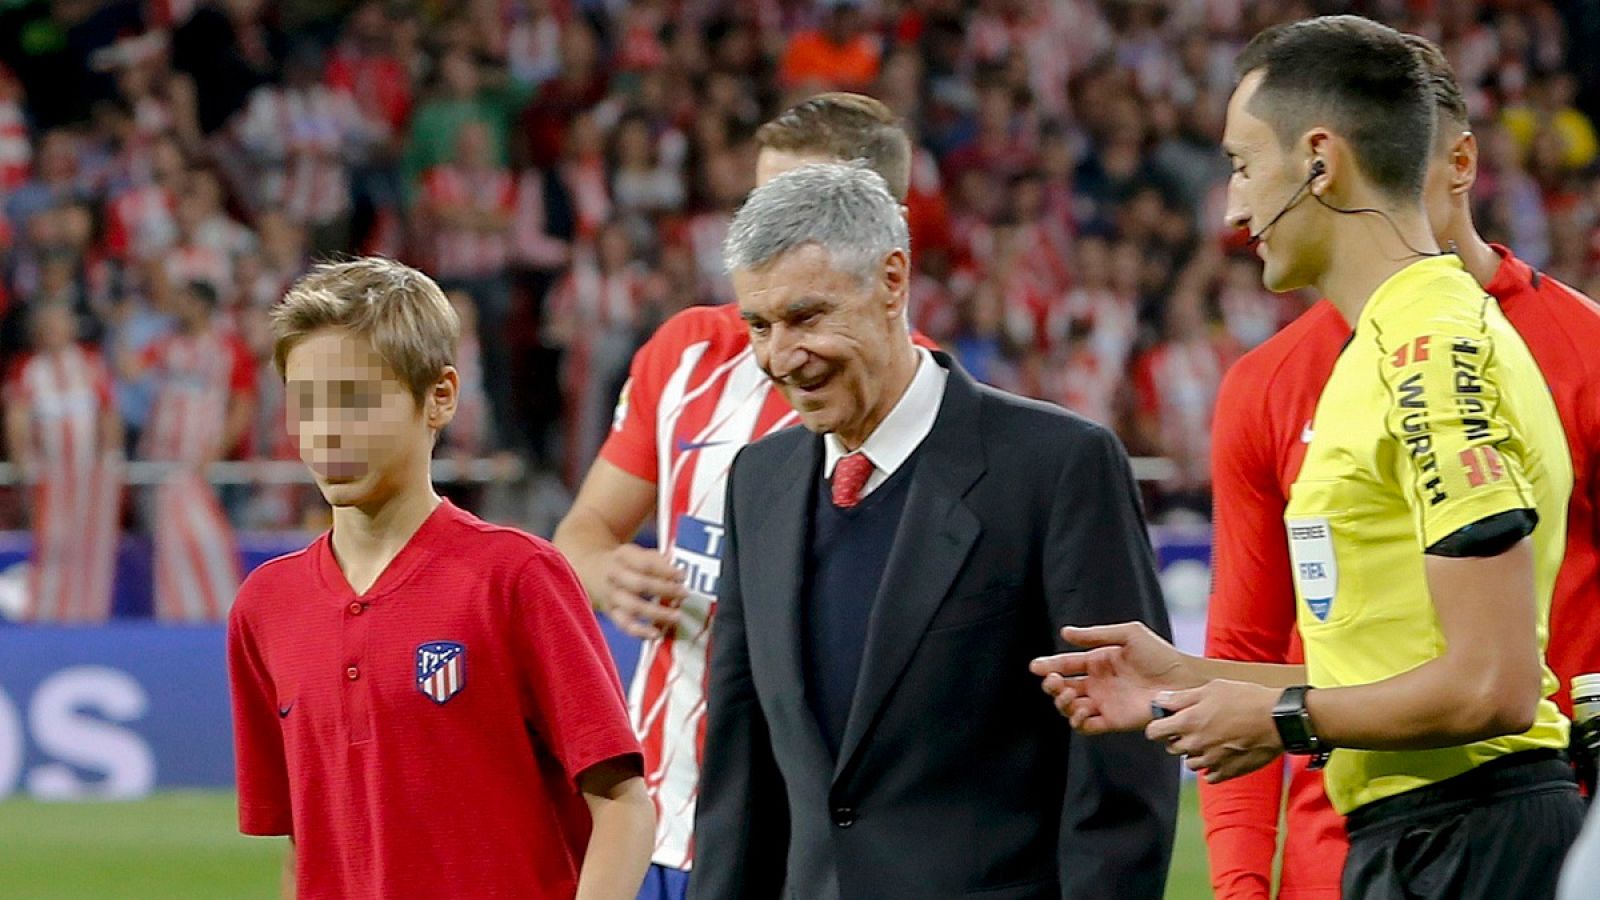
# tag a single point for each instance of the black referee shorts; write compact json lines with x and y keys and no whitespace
{"x":1498,"y":832}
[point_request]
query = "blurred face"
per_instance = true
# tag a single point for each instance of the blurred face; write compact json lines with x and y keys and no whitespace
{"x":54,"y":327}
{"x":1266,"y":180}
{"x":826,"y":339}
{"x":360,"y":431}
{"x":472,"y":145}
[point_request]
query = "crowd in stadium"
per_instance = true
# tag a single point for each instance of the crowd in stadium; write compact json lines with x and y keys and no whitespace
{"x":567,"y":170}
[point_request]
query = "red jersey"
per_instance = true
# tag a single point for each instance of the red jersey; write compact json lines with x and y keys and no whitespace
{"x":694,"y":398}
{"x":430,"y":731}
{"x":1264,"y":411}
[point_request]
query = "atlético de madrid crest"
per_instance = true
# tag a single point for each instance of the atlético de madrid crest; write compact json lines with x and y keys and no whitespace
{"x":441,"y":669}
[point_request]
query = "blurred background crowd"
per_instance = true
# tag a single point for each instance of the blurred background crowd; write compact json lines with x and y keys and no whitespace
{"x":567,"y":168}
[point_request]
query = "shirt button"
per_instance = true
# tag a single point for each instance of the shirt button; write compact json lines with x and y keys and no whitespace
{"x":356,"y":606}
{"x":844,"y":816}
{"x":352,"y":673}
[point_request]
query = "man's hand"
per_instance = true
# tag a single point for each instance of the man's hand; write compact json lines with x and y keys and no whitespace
{"x":1224,"y":728}
{"x":1109,"y":687}
{"x":641,"y":586}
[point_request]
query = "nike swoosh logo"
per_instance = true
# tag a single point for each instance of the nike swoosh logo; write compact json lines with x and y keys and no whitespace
{"x":283,"y":711}
{"x":1306,"y":434}
{"x":689,"y":446}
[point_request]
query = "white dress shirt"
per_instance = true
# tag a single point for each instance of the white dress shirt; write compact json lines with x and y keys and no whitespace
{"x":902,"y":431}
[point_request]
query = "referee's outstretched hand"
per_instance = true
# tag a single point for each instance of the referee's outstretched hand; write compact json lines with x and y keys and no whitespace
{"x":1109,"y":686}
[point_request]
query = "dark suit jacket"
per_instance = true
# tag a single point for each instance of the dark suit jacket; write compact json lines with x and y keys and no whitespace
{"x":956,"y":776}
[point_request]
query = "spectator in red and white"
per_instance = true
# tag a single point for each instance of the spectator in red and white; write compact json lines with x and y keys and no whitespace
{"x":1074,"y":375}
{"x":842,"y":54}
{"x":642,"y":186}
{"x":467,"y":209}
{"x":1175,"y":384}
{"x":724,"y":181}
{"x":160,"y":99}
{"x":1052,"y":39}
{"x":581,"y":85}
{"x":1104,"y":306}
{"x":978,"y":201}
{"x":595,"y":314}
{"x":269,"y":505}
{"x":204,"y":406}
{"x":16,"y":151}
{"x":140,"y":219}
{"x":216,"y":228}
{"x":1250,"y":312}
{"x":1046,"y":243}
{"x":301,"y":139}
{"x":533,"y":43}
{"x":583,"y":173}
{"x":62,"y":429}
{"x":193,"y":257}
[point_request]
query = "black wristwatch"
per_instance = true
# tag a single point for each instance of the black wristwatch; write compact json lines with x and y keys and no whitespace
{"x":1294,"y":726}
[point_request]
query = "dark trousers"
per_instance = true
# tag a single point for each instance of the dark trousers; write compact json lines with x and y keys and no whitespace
{"x":1498,"y":832}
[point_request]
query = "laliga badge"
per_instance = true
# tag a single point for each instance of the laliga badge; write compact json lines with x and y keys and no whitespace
{"x":1316,"y":569}
{"x":441,"y":669}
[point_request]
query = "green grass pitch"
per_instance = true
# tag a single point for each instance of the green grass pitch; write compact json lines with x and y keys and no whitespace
{"x":184,"y":846}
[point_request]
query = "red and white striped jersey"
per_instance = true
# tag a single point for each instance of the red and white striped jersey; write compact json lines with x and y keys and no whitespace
{"x":694,"y":397}
{"x":301,"y":141}
{"x":464,"y":252}
{"x":16,"y":153}
{"x":199,"y":375}
{"x":140,"y":223}
{"x":65,"y":393}
{"x":77,"y":499}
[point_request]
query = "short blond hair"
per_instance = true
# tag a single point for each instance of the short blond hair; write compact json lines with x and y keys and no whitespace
{"x":845,"y":127}
{"x":400,"y":311}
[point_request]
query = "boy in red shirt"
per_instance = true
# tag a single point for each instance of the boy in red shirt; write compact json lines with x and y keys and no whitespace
{"x":422,"y":701}
{"x":1262,"y":422}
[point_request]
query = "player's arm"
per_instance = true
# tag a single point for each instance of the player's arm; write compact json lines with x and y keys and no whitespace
{"x":623,"y":832}
{"x":1484,"y":685}
{"x":623,"y":580}
{"x":1250,"y":618}
{"x":575,"y":707}
{"x":19,"y":433}
{"x":633,"y":585}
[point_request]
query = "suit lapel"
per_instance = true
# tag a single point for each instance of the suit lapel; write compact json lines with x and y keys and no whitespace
{"x":936,"y":534}
{"x":773,"y":604}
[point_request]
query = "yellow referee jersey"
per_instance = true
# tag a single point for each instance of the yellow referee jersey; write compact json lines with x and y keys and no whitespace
{"x":1435,"y":417}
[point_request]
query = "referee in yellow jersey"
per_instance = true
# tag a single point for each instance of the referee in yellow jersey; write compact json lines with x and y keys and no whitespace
{"x":1426,"y":525}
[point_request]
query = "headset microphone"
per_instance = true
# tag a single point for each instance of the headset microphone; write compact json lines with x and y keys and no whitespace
{"x":1317,"y":168}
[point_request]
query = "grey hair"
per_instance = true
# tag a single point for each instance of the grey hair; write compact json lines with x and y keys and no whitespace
{"x":844,"y":208}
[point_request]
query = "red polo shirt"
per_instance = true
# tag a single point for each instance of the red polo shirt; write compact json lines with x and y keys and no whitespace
{"x":1265,"y":403}
{"x":427,"y":736}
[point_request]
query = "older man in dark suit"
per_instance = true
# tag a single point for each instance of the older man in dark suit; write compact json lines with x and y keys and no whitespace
{"x":891,"y":569}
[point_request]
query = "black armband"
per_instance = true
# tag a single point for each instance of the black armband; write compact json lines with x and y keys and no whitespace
{"x":1488,"y":537}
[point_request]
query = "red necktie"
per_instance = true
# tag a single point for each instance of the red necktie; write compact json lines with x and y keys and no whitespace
{"x":850,"y":475}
